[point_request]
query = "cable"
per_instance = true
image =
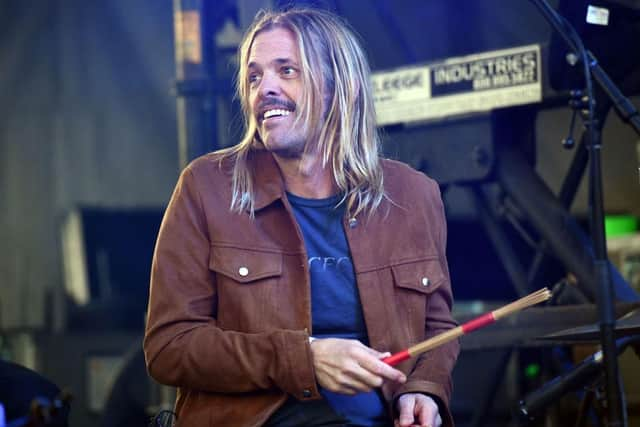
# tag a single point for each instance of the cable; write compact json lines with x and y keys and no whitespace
{"x":164,"y":418}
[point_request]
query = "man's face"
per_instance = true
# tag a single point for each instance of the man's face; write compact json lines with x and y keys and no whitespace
{"x":275,"y":88}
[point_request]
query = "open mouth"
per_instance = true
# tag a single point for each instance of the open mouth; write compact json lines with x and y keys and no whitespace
{"x":276,"y":112}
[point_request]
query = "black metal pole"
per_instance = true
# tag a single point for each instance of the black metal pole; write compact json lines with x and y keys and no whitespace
{"x":605,"y":293}
{"x":194,"y":106}
{"x":605,"y":299}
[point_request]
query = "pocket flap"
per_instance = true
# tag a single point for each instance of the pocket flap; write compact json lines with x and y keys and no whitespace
{"x":424,"y":276}
{"x":245,"y":265}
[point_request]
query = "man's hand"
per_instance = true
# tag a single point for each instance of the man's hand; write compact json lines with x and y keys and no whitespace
{"x":350,"y":367}
{"x":417,"y":409}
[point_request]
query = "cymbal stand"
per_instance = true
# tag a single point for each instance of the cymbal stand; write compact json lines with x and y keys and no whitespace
{"x":589,"y":396}
{"x":586,"y":372}
{"x":605,"y":295}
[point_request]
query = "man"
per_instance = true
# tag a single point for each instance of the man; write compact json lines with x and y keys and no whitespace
{"x":289,"y":265}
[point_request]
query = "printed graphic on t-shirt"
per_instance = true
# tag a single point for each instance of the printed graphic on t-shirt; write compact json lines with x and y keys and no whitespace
{"x":319,"y":264}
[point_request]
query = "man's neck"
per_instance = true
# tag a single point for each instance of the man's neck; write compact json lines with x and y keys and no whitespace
{"x":305,"y":176}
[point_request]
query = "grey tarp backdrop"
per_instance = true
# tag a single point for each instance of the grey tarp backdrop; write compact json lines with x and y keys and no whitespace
{"x":86,"y":118}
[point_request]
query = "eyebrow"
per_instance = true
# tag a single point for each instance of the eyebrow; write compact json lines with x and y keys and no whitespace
{"x":277,"y":61}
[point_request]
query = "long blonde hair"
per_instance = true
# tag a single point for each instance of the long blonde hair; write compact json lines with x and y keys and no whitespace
{"x":333,"y":63}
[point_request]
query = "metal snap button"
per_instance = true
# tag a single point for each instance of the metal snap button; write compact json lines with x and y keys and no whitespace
{"x":243,"y":271}
{"x":425,"y":281}
{"x":306,"y":393}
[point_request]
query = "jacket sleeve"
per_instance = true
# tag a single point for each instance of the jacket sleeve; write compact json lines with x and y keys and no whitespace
{"x":183,"y":344}
{"x":431,"y":373}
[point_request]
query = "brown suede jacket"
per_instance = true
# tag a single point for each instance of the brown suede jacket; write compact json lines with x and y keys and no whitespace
{"x":229,"y":311}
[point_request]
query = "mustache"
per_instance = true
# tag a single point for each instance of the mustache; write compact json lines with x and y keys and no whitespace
{"x":275,"y":103}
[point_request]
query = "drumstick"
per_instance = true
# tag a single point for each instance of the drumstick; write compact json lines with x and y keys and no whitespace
{"x":477,"y":323}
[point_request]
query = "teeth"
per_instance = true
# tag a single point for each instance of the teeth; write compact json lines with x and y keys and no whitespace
{"x":276,"y":112}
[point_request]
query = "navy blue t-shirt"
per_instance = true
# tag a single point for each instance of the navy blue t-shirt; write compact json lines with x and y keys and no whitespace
{"x":336,"y":311}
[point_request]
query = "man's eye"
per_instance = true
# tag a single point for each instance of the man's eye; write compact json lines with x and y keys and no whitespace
{"x":288,"y":71}
{"x":253,"y":78}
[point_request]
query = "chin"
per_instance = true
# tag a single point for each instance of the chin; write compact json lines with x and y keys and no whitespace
{"x":285,"y":149}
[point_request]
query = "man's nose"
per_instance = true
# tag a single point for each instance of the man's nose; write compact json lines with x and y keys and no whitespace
{"x":269,"y":85}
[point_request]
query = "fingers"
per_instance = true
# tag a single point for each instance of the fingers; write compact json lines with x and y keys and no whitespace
{"x":417,"y":409}
{"x":348,"y":366}
{"x":426,"y":411}
{"x":369,"y":367}
{"x":406,"y":407}
{"x":380,"y":369}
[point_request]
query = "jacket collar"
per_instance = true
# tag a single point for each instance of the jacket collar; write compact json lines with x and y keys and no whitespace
{"x":268,"y":183}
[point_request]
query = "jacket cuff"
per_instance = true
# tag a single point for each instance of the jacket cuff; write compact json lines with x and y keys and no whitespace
{"x":301,"y":377}
{"x":434,"y":390}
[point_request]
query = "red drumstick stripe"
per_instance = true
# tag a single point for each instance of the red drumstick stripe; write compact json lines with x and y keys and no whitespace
{"x":478,"y":322}
{"x":396,"y":358}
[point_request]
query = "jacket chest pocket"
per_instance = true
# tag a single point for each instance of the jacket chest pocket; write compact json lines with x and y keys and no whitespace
{"x":248,"y":286}
{"x":414,"y":283}
{"x":423,"y":276}
{"x":245,"y":265}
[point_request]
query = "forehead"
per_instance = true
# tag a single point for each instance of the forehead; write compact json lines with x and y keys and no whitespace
{"x":271,"y":44}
